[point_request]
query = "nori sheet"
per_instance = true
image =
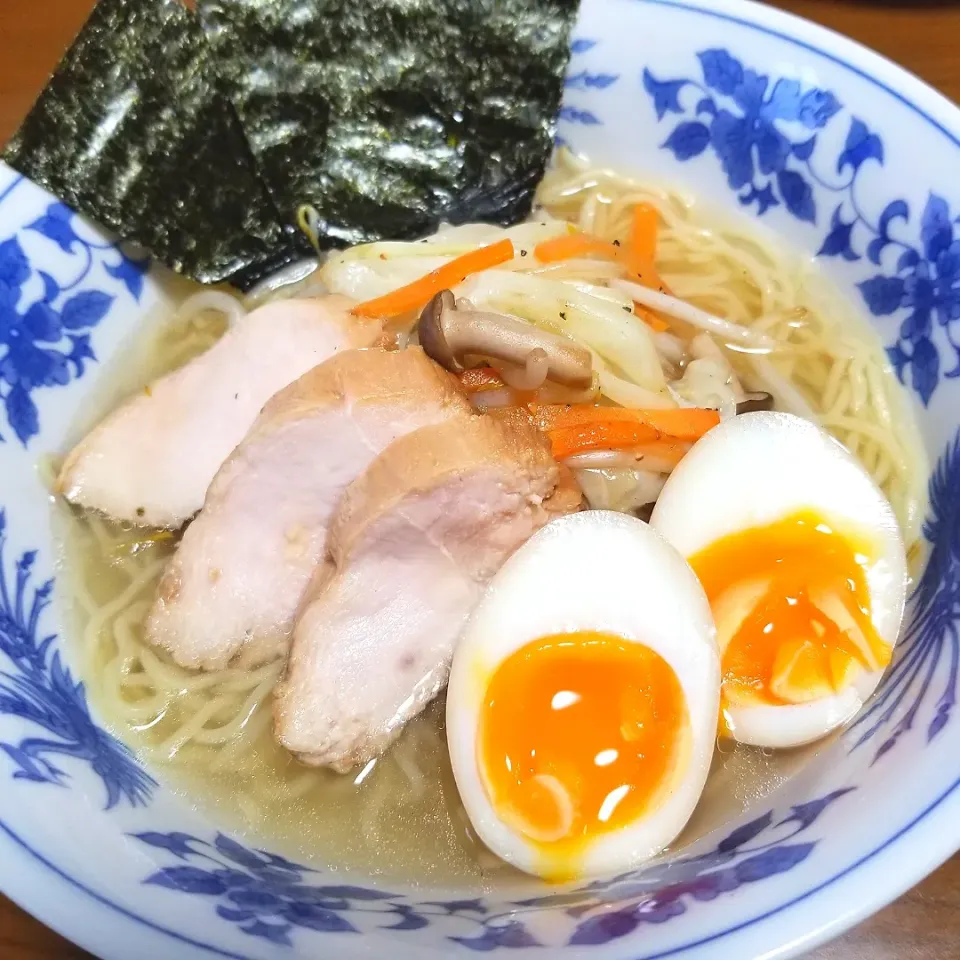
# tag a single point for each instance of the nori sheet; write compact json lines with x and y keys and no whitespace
{"x":134,"y":132}
{"x":389,"y":116}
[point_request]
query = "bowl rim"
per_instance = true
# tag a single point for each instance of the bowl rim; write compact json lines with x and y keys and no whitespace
{"x":810,"y":36}
{"x":927,"y":830}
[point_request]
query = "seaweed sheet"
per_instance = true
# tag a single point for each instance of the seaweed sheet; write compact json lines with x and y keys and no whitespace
{"x":389,"y":116}
{"x":133,"y":131}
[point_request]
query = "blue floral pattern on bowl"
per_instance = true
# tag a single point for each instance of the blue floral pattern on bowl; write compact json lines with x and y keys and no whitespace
{"x":764,"y":133}
{"x":580,"y":79}
{"x":269,"y":897}
{"x":37,"y":686}
{"x":932,"y":636}
{"x":45,"y":338}
{"x":737,"y":115}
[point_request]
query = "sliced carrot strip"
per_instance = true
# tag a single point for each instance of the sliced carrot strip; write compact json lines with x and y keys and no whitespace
{"x":568,"y":246}
{"x":685,"y":423}
{"x":572,"y":245}
{"x":643,"y":246}
{"x":688,"y":423}
{"x":646,"y":270}
{"x":609,"y":435}
{"x":643,"y":236}
{"x":656,"y":323}
{"x":420,"y":292}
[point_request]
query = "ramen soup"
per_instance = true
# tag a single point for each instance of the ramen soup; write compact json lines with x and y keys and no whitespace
{"x":585,"y":469}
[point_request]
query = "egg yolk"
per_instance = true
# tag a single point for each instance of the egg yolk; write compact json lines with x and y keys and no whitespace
{"x":580,"y":734}
{"x":792,"y":610}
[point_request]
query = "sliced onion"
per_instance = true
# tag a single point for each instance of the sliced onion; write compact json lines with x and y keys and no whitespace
{"x":628,"y":394}
{"x":619,"y":489}
{"x":670,"y":347}
{"x":704,"y":347}
{"x":602,"y":460}
{"x":706,"y":383}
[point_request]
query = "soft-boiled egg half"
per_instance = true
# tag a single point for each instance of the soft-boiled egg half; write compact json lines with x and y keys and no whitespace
{"x":583,"y":698}
{"x":804,"y":566}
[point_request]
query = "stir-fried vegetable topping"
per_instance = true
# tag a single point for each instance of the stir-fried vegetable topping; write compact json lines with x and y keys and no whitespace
{"x":415,"y":295}
{"x":684,"y":424}
{"x":516,"y":297}
{"x":575,"y":429}
{"x":637,"y":265}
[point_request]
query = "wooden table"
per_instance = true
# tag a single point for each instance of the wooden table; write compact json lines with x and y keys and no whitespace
{"x":920,"y":34}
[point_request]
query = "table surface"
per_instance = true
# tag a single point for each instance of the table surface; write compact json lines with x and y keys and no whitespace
{"x":921,"y":35}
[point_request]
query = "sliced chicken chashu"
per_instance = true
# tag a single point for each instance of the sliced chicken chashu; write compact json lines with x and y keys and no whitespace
{"x":151,"y":460}
{"x":412,"y":545}
{"x":232,"y":589}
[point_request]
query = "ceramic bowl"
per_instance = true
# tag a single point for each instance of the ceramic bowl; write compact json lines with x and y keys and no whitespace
{"x":826,"y":145}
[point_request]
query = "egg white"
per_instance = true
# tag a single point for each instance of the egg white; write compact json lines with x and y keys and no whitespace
{"x":759,"y":468}
{"x":605,"y":572}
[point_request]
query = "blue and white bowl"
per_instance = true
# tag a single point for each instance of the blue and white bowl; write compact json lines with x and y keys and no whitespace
{"x":843,"y":155}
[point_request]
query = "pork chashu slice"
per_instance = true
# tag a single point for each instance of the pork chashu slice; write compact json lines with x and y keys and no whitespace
{"x":152,"y":459}
{"x":232,"y":589}
{"x":412,"y":545}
